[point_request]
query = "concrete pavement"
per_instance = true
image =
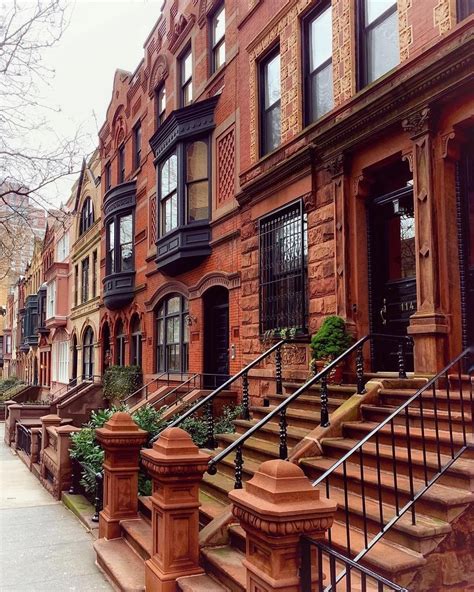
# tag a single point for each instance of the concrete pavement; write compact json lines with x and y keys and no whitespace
{"x":42,"y":545}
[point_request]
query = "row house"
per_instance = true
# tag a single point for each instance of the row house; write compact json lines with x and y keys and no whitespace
{"x":271,"y":163}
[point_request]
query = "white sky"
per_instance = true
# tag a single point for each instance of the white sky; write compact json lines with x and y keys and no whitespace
{"x":102,"y":35}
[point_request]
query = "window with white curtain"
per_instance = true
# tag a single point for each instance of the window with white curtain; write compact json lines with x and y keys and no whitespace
{"x":51,"y":299}
{"x":62,"y":359}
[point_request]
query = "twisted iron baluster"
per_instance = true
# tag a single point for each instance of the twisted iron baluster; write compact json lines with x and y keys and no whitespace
{"x":239,"y":463}
{"x":98,"y":496}
{"x":74,"y":470}
{"x":278,"y":372}
{"x":210,"y":443}
{"x":324,"y":402}
{"x":245,"y":396}
{"x":401,"y":361}
{"x":283,"y":435}
{"x":360,"y":371}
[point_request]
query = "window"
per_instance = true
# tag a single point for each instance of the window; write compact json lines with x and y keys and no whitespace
{"x":218,"y":39}
{"x":87,"y":216}
{"x":85,"y":280}
{"x":172,"y":335}
{"x":318,"y":65}
{"x":270,"y":92}
{"x":88,"y":353}
{"x":160,"y":105}
{"x":283,"y":262}
{"x":108,"y":178}
{"x":62,"y":248}
{"x":61,"y":359}
{"x":8,"y":344}
{"x":120,"y":244}
{"x":76,"y":285}
{"x":197,"y":188}
{"x":51,"y":299}
{"x":137,"y":145}
{"x":121,"y":164}
{"x":379,"y":38}
{"x":136,"y":353}
{"x":464,"y":9}
{"x":94,"y":274}
{"x":169,"y":194}
{"x":186,"y":65}
{"x":120,"y":345}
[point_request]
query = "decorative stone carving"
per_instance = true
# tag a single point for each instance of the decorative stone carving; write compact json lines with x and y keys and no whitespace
{"x":159,"y":73}
{"x":335,"y":167}
{"x":418,"y":122}
{"x":178,"y":32}
{"x":227,"y":280}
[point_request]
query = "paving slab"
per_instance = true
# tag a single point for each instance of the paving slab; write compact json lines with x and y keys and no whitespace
{"x":42,"y":544}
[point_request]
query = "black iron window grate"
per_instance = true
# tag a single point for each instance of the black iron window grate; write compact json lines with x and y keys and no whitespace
{"x":283,"y":269}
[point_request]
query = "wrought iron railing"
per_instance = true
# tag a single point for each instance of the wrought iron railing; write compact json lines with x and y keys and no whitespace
{"x":322,"y":378}
{"x":78,"y":382}
{"x":432,"y":403}
{"x":144,"y":390}
{"x":208,"y":401}
{"x":79,"y":473}
{"x":23,"y":438}
{"x":357,"y":577}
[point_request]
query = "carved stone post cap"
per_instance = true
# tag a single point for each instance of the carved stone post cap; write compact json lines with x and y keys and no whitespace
{"x":51,"y":419}
{"x":9,"y":403}
{"x":121,"y":430}
{"x":280,"y":488}
{"x":175,"y":446}
{"x":16,"y":405}
{"x":67,"y":429}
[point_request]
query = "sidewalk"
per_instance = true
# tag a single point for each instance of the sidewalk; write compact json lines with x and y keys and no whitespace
{"x":42,"y":545}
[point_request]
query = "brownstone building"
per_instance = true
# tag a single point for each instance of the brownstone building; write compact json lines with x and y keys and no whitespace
{"x":271,"y":163}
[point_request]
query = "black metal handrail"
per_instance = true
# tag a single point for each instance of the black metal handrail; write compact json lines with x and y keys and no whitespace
{"x":81,"y":380}
{"x":95,"y":496}
{"x":350,"y":566}
{"x":209,"y":399}
{"x":23,"y":440}
{"x":321,"y":377}
{"x":177,"y":390}
{"x":145,"y":386}
{"x":453,"y":449}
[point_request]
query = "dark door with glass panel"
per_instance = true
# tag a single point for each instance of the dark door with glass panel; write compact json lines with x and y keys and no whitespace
{"x":216,"y":353}
{"x":466,"y":201}
{"x":392,"y":273}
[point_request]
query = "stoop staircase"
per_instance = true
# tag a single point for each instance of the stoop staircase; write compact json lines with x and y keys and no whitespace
{"x":373,"y":471}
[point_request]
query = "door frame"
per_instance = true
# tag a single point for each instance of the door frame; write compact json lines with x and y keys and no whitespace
{"x":212,"y":302}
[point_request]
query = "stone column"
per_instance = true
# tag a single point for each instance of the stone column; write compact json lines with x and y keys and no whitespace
{"x":47,"y":421}
{"x":276,"y":507}
{"x":121,"y":440}
{"x":428,"y":324}
{"x":64,"y":460}
{"x":176,"y":466}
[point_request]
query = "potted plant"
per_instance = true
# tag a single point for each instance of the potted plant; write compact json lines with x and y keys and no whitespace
{"x":330,"y":341}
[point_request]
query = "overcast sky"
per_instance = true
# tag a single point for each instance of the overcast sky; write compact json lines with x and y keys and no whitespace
{"x":103,"y":35}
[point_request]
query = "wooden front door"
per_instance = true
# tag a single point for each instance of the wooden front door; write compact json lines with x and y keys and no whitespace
{"x":216,"y":352}
{"x":392,"y":273}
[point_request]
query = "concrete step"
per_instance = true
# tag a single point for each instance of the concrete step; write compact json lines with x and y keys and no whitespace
{"x":440,"y":502}
{"x":431,"y":439}
{"x":138,"y":535}
{"x":200,"y":583}
{"x":122,"y":566}
{"x":460,"y":474}
{"x":225,"y":564}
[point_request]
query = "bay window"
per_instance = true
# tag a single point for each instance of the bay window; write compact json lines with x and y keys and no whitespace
{"x":120,"y":244}
{"x":379,"y":38}
{"x":168,"y":194}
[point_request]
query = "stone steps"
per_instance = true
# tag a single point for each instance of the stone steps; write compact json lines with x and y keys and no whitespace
{"x":122,"y":566}
{"x":200,"y":583}
{"x":225,"y":564}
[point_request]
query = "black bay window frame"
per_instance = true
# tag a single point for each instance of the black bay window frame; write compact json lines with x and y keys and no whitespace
{"x":362,"y":31}
{"x":113,"y":264}
{"x":308,"y":109}
{"x":270,"y":288}
{"x":263,"y":112}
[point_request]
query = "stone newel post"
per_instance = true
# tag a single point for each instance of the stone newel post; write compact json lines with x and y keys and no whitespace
{"x":176,"y":466}
{"x":121,"y":440}
{"x":276,"y":507}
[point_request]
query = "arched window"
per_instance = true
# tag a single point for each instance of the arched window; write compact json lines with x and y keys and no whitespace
{"x":119,"y":344}
{"x":172,"y":334}
{"x":88,"y":353}
{"x":136,"y":334}
{"x":87,"y":216}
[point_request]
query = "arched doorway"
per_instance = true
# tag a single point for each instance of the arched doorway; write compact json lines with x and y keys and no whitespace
{"x":106,"y":353}
{"x":216,"y":336}
{"x":74,"y":358}
{"x":88,"y":353}
{"x":172,"y":334}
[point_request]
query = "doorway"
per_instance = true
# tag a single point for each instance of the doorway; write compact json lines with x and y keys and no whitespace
{"x":392,"y":273}
{"x":216,"y":336}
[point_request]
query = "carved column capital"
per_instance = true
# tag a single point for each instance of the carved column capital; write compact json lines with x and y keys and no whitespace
{"x":418,"y":122}
{"x":337,"y":165}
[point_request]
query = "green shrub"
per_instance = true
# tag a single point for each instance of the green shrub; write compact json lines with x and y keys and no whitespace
{"x":9,"y":387}
{"x":119,"y":382}
{"x":331,"y":340}
{"x":196,"y":426}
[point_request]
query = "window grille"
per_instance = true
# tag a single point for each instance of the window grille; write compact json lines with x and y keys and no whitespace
{"x":283,"y":269}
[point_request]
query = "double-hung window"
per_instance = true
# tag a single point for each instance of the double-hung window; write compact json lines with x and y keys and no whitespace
{"x":51,"y":299}
{"x":63,"y":361}
{"x":94,"y":274}
{"x":87,"y":216}
{"x":186,"y":66}
{"x":85,"y":280}
{"x":137,"y":145}
{"x":62,"y":247}
{"x":197,"y":186}
{"x":218,"y":39}
{"x":160,"y":105}
{"x":121,"y":164}
{"x":120,"y":244}
{"x":319,"y":96}
{"x":108,"y":178}
{"x":270,"y":108}
{"x":379,"y":35}
{"x":169,"y":194}
{"x":283,"y":269}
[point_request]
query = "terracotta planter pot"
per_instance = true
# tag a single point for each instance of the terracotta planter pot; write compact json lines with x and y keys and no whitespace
{"x":335,"y":376}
